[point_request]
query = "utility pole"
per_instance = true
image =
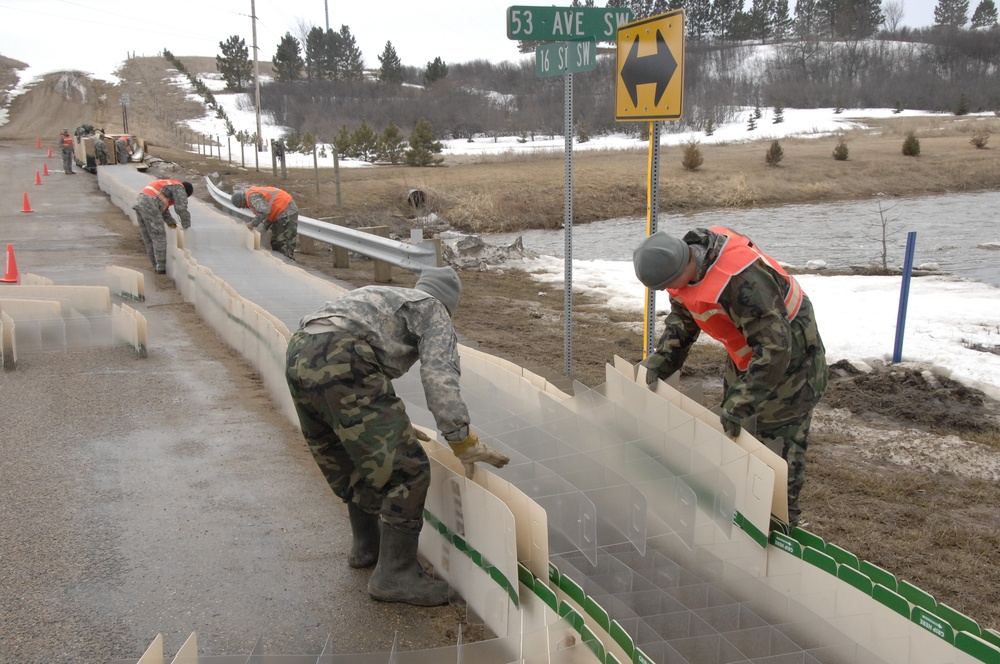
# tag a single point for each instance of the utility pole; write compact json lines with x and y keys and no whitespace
{"x":326,"y":9}
{"x":256,"y":72}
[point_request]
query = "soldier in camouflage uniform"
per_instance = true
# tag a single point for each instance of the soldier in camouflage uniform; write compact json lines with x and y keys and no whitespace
{"x":100,"y":150}
{"x":152,"y":207}
{"x":276,"y":207}
{"x":720,"y":282}
{"x":340,"y":367}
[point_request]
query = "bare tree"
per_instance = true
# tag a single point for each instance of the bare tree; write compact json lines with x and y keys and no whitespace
{"x":882,"y":231}
{"x":892,"y":10}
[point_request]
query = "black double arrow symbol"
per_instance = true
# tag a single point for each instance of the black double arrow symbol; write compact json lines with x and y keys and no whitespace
{"x":656,"y":68}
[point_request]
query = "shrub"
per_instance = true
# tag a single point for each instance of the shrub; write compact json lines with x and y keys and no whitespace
{"x":774,"y":154}
{"x":963,"y":106}
{"x":911,"y":145}
{"x":840,"y":152}
{"x":979,"y":138}
{"x":709,"y":127}
{"x":692,"y":160}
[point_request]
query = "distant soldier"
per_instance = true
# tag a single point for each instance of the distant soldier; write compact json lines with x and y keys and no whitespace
{"x":66,"y":142}
{"x":123,"y":150}
{"x":276,"y":207}
{"x":100,"y":150}
{"x":153,"y":209}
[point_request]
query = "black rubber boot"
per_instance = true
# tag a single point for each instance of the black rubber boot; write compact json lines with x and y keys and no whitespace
{"x":365,"y":528}
{"x":398,"y":577}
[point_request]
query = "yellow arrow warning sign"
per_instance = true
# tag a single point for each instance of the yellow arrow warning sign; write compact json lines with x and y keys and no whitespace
{"x":650,"y":83}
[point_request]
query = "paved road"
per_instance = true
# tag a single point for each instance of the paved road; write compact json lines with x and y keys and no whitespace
{"x":160,"y":495}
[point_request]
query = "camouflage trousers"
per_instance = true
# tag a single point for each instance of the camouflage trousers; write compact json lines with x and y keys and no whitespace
{"x":67,"y":157}
{"x":284,"y":231}
{"x":151,"y":227}
{"x":791,"y":440}
{"x":357,"y":428}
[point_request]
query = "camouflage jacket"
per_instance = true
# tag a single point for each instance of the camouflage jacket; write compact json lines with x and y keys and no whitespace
{"x":403,"y":325}
{"x":787,"y":373}
{"x":174,"y":193}
{"x":262,"y":208}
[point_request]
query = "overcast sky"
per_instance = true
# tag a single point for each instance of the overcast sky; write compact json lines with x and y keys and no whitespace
{"x":96,"y":35}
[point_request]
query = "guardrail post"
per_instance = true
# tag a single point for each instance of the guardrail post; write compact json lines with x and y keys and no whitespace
{"x":383,"y":270}
{"x":417,"y":238}
{"x":341,"y":257}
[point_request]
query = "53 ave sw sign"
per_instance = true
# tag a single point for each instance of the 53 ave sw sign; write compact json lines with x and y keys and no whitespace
{"x":565,"y":23}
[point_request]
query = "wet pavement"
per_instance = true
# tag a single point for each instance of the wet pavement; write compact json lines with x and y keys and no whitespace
{"x":161,"y":495}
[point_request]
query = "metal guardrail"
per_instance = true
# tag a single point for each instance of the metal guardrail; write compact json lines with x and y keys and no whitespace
{"x":408,"y":256}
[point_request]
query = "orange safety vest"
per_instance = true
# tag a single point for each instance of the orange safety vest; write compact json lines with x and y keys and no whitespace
{"x":702,"y":298}
{"x":155,"y":190}
{"x":67,"y":140}
{"x":278,"y":198}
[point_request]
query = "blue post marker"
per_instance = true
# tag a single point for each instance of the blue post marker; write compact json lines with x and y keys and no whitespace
{"x":904,"y":296}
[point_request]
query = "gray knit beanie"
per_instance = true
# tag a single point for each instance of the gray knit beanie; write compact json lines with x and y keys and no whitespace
{"x":239,"y":198}
{"x":660,"y":259}
{"x":443,"y":283}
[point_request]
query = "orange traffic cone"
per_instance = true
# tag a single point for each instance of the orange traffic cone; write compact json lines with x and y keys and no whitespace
{"x":50,"y":153}
{"x":38,"y":177}
{"x":38,"y":142}
{"x":45,"y":169}
{"x":11,"y":275}
{"x":27,"y":205}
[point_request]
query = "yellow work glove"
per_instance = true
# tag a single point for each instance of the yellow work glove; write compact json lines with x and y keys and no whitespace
{"x":470,"y":450}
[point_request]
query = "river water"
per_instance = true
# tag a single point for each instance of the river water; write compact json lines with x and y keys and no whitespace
{"x":959,"y":233}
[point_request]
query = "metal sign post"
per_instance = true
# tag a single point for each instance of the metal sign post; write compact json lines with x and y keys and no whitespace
{"x":576,"y":31}
{"x":650,"y":86}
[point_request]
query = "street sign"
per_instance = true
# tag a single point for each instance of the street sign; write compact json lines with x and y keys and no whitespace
{"x":650,"y":83}
{"x":565,"y":23}
{"x":565,"y":57}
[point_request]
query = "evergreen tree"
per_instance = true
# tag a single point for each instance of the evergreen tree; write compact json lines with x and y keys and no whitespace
{"x":761,"y":19}
{"x":724,"y":14}
{"x":391,"y":145}
{"x":781,"y":22}
{"x":849,"y":19}
{"x":365,"y":142}
{"x":287,"y":59}
{"x":343,"y":143}
{"x":423,"y":145}
{"x":315,"y":54}
{"x":331,"y":55}
{"x":840,"y":152}
{"x":234,"y":63}
{"x":697,"y":19}
{"x":352,"y":65}
{"x":951,"y":13}
{"x":436,"y":71}
{"x":774,"y":154}
{"x":391,"y":71}
{"x":752,"y":123}
{"x":985,"y":15}
{"x":806,"y":19}
{"x":779,"y":113}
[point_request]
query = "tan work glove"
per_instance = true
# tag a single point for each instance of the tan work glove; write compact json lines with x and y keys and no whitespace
{"x":420,"y":434}
{"x":470,"y":450}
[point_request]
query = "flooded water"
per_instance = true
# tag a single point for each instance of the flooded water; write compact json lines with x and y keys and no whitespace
{"x":960,"y":233}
